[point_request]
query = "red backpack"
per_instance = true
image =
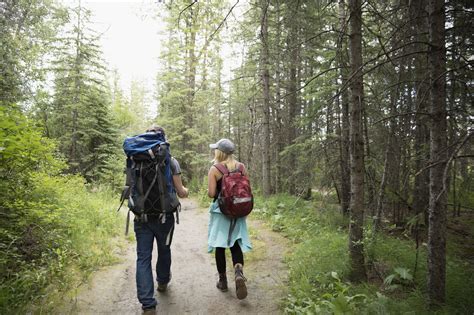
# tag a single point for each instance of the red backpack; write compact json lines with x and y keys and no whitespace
{"x":235,"y":199}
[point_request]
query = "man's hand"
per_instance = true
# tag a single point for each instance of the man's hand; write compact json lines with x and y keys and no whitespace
{"x":178,"y":185}
{"x":186,"y":192}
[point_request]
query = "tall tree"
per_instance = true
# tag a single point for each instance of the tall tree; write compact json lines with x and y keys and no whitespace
{"x":26,"y":31}
{"x":80,"y":113}
{"x":264,"y":65}
{"x":344,"y":101}
{"x":356,"y":248}
{"x":438,"y":154}
{"x":186,"y":106}
{"x":421,"y":141}
{"x":277,"y":104}
{"x":292,"y":101}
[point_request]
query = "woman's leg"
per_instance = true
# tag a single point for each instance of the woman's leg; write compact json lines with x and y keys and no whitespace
{"x":221,"y":268}
{"x":238,"y":260}
{"x":220,"y":259}
{"x":237,"y":255}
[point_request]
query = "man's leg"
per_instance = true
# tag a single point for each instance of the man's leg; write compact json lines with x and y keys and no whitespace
{"x":144,"y":275}
{"x":164,"y":235}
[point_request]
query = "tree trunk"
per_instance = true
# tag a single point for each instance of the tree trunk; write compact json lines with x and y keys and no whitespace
{"x":356,"y":249}
{"x":438,"y":155}
{"x":421,"y":137}
{"x":266,"y":178}
{"x":292,"y":43}
{"x":369,"y":169}
{"x":345,"y":194}
{"x":190,"y":76}
{"x":73,"y":153}
{"x":277,"y":109}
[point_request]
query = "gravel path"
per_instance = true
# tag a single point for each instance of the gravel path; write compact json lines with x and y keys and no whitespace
{"x":192,"y":289}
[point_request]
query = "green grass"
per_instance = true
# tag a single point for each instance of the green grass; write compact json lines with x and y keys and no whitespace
{"x":63,"y":231}
{"x":318,"y":265}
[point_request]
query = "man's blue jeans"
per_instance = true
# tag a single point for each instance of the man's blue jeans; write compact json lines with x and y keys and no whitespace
{"x":146,"y":233}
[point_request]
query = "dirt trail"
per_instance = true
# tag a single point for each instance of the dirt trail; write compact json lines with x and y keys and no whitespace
{"x":192,"y":288}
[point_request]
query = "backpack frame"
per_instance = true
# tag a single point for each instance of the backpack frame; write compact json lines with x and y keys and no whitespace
{"x":149,"y":184}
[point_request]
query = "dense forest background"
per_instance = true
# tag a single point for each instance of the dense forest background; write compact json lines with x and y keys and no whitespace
{"x":366,"y":104}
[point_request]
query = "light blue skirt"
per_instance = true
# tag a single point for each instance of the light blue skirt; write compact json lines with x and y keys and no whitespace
{"x":218,"y":232}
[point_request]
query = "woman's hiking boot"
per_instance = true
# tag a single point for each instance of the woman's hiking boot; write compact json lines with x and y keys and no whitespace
{"x":240,"y":287}
{"x":222,"y":283}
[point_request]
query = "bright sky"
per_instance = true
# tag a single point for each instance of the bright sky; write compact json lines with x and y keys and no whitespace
{"x":130,"y":40}
{"x":131,"y":36}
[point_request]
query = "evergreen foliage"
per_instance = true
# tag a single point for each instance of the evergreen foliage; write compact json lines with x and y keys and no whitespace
{"x":189,"y":88}
{"x":284,"y":97}
{"x":53,"y":230}
{"x":80,"y":112}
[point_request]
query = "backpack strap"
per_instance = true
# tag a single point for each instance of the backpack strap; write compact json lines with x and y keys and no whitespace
{"x":122,"y":199}
{"x":222,"y":168}
{"x":152,"y":182}
{"x":240,"y":167}
{"x":127,"y":223}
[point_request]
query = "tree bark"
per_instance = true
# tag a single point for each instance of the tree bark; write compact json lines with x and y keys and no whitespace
{"x":266,"y":178}
{"x":356,"y":249}
{"x":73,"y":153}
{"x":421,"y":137}
{"x":279,"y":170}
{"x":293,"y":47}
{"x":438,"y":155}
{"x":345,"y":195}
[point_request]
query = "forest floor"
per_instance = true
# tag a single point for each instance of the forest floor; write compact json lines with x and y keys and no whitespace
{"x":192,"y":289}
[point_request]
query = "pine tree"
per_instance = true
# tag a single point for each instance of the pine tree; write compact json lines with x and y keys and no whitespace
{"x":186,"y":108}
{"x":80,"y":113}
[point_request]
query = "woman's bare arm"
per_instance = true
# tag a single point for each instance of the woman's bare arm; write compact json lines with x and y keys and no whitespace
{"x":212,"y":177}
{"x":245,"y":169}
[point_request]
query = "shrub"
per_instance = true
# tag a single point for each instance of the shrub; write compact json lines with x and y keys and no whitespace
{"x":318,"y":265}
{"x":51,"y":225}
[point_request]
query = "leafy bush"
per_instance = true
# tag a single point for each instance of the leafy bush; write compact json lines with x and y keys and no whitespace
{"x":59,"y":225}
{"x":50,"y":224}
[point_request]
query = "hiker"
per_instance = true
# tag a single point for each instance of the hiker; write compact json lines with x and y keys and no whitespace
{"x":220,"y":234}
{"x":160,"y":227}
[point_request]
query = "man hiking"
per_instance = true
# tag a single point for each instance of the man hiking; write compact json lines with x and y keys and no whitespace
{"x":155,"y":181}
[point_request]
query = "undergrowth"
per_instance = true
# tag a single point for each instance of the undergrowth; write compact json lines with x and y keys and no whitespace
{"x":59,"y":232}
{"x":318,"y":265}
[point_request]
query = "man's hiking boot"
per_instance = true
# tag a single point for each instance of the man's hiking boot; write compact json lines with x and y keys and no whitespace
{"x":222,"y":283}
{"x":149,"y":311}
{"x":240,"y":287}
{"x":162,"y":287}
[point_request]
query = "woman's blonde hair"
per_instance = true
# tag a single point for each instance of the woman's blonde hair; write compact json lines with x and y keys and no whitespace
{"x":224,"y":158}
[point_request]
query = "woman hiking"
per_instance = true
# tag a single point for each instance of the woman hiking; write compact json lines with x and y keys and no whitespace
{"x":219,"y":237}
